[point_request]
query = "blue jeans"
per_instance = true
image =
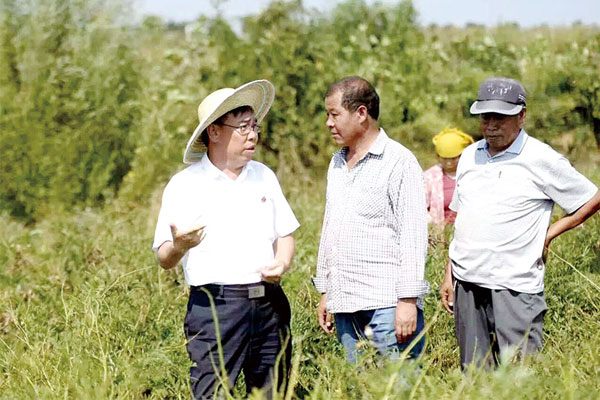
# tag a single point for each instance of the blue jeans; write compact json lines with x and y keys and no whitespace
{"x":350,"y":328}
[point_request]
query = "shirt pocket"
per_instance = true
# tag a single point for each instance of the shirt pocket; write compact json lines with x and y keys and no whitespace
{"x":371,"y":201}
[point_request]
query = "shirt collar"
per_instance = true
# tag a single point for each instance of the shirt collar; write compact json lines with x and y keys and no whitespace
{"x":515,"y":148}
{"x":215,"y":173}
{"x":376,"y":148}
{"x":379,"y":143}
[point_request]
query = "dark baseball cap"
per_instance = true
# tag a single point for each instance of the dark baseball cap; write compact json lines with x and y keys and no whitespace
{"x":499,"y":95}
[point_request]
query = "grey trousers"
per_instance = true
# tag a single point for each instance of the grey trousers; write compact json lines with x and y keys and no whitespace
{"x":489,"y":322}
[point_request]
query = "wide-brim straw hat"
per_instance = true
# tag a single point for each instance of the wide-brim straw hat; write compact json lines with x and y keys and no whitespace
{"x":257,"y":94}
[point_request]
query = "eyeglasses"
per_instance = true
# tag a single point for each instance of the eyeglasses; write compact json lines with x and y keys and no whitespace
{"x":244,"y":129}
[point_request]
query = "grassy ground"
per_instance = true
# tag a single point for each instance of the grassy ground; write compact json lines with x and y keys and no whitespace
{"x":85,"y":312}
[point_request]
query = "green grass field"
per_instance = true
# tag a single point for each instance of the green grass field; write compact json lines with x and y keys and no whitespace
{"x":86,"y":312}
{"x":95,"y":112}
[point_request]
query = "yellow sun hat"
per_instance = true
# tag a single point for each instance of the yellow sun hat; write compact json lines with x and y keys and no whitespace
{"x":451,"y":142}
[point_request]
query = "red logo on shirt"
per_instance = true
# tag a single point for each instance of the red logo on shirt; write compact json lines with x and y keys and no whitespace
{"x":263,"y":199}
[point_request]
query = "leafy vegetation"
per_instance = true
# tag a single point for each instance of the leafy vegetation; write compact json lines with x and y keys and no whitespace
{"x":95,"y":113}
{"x":85,"y":312}
{"x":91,"y":107}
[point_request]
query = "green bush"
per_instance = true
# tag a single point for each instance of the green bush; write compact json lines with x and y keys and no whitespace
{"x":92,"y":107}
{"x":69,"y":106}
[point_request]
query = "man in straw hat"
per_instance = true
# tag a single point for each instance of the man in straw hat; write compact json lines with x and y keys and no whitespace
{"x":371,"y":261}
{"x":225,"y":218}
{"x":506,"y":187}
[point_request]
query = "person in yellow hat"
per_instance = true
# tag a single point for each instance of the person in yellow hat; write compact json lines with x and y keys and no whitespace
{"x":440,"y":179}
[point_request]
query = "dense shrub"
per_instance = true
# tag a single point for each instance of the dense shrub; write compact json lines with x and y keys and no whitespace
{"x":69,"y":104}
{"x":91,"y":106}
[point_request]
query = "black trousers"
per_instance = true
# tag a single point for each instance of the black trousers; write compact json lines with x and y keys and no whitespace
{"x":252,"y":327}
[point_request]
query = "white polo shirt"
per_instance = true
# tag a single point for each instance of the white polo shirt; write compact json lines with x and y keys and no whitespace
{"x":243,"y":218}
{"x":504,"y":205}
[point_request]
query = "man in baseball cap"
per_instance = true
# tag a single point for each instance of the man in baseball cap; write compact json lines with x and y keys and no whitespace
{"x":506,"y":187}
{"x":226,"y":220}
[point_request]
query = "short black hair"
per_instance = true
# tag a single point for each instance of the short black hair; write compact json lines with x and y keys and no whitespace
{"x":219,"y":121}
{"x":356,"y":92}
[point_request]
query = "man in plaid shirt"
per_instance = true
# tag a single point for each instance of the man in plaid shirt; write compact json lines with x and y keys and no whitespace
{"x":373,"y":247}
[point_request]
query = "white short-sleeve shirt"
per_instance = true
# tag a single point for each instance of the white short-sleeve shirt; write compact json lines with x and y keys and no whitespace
{"x":504,"y":205}
{"x":243,"y":218}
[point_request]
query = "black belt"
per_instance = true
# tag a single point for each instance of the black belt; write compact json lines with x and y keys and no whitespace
{"x":247,"y":291}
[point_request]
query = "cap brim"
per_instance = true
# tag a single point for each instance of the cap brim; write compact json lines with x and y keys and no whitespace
{"x":495,"y":106}
{"x":257,"y":94}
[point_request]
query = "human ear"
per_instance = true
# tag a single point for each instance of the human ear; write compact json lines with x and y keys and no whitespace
{"x":522,"y":117}
{"x":362,"y":113}
{"x":213,"y":133}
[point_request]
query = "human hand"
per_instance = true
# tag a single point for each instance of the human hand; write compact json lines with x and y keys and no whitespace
{"x":406,"y":319}
{"x":546,"y":246}
{"x":272,"y":273}
{"x":325,"y":319}
{"x":545,"y":254}
{"x":447,"y":294}
{"x":185,"y":239}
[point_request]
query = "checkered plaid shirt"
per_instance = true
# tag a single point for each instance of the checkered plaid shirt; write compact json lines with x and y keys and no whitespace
{"x":374,"y":240}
